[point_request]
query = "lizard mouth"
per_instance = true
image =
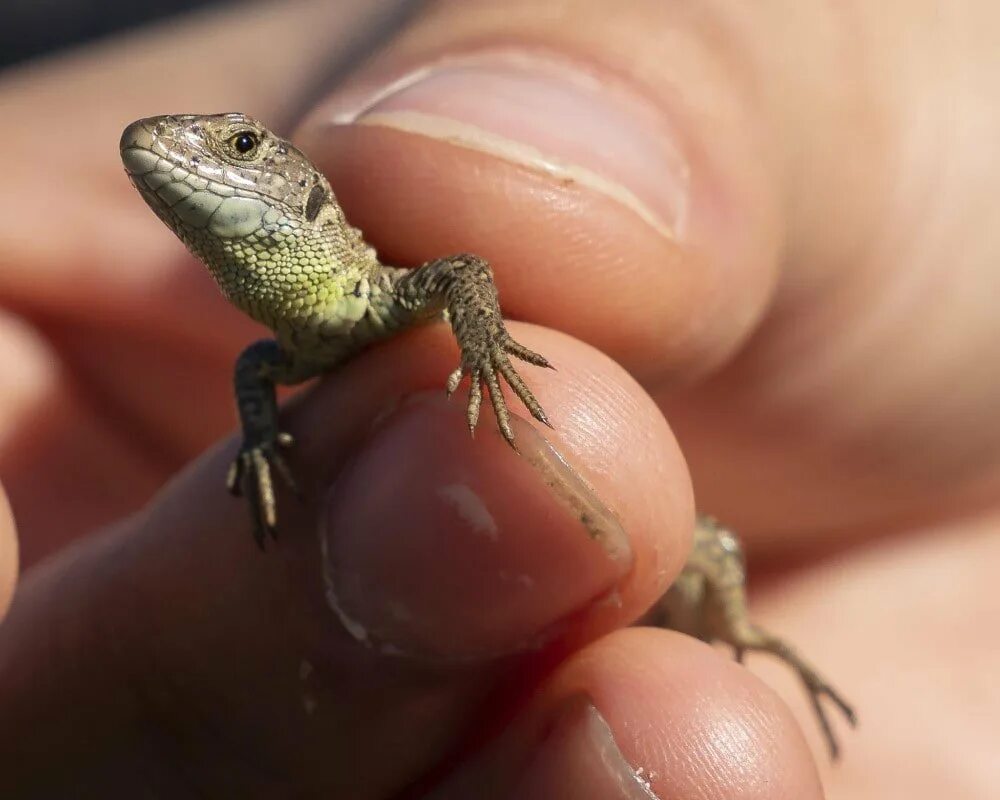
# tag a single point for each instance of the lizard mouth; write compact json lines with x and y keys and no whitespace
{"x":138,"y":134}
{"x":161,"y":181}
{"x":151,"y":164}
{"x":136,"y":147}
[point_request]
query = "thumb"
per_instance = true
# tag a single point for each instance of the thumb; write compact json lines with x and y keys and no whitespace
{"x":622,"y":193}
{"x":699,"y":186}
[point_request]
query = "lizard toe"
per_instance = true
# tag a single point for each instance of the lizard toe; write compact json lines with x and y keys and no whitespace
{"x":518,"y":350}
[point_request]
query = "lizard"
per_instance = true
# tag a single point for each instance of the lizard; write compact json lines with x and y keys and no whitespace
{"x":265,"y":221}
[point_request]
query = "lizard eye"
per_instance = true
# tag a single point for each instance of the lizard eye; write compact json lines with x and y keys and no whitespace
{"x":244,"y":142}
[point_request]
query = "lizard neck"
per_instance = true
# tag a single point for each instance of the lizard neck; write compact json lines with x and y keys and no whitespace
{"x":286,"y":271}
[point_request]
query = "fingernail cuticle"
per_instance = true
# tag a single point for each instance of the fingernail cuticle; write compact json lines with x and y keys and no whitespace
{"x":580,"y":759}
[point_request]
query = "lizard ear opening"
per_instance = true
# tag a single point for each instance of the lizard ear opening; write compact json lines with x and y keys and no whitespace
{"x":317,"y":197}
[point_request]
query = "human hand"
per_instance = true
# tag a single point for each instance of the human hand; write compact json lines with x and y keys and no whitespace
{"x":797,"y":440}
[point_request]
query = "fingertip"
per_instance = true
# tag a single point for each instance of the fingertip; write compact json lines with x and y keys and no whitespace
{"x":646,"y":713}
{"x":696,"y":722}
{"x":598,"y":411}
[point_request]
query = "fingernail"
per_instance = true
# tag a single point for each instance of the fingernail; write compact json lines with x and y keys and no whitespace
{"x":550,"y":117}
{"x":580,"y":759}
{"x":440,"y":547}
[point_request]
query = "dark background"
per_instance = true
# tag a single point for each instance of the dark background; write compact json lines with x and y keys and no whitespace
{"x":30,"y":28}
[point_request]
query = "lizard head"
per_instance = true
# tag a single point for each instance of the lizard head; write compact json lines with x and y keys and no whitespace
{"x":248,"y":203}
{"x":182,"y":164}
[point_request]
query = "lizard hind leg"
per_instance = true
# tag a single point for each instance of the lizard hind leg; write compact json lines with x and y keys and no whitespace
{"x":709,"y":601}
{"x":752,"y":637}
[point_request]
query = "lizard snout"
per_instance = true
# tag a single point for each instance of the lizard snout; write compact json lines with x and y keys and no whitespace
{"x":135,"y":146}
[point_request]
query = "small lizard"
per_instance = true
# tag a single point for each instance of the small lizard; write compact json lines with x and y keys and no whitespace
{"x":266,"y":223}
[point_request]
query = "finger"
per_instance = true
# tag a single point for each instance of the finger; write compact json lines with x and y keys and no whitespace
{"x":356,"y":653}
{"x":645,"y":713}
{"x":8,"y":554}
{"x":64,"y":466}
{"x":608,"y":207}
{"x":640,"y":217}
{"x":638,"y":183}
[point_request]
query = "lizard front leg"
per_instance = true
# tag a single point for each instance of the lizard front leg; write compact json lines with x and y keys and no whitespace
{"x":708,"y":601}
{"x":258,"y":369}
{"x":463,"y":286}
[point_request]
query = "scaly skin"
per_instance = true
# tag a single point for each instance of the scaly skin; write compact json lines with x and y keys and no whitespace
{"x":265,"y":222}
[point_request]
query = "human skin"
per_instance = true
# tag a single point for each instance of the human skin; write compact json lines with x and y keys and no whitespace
{"x":818,"y":325}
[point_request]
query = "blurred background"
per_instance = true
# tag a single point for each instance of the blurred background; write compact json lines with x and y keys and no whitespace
{"x":30,"y":28}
